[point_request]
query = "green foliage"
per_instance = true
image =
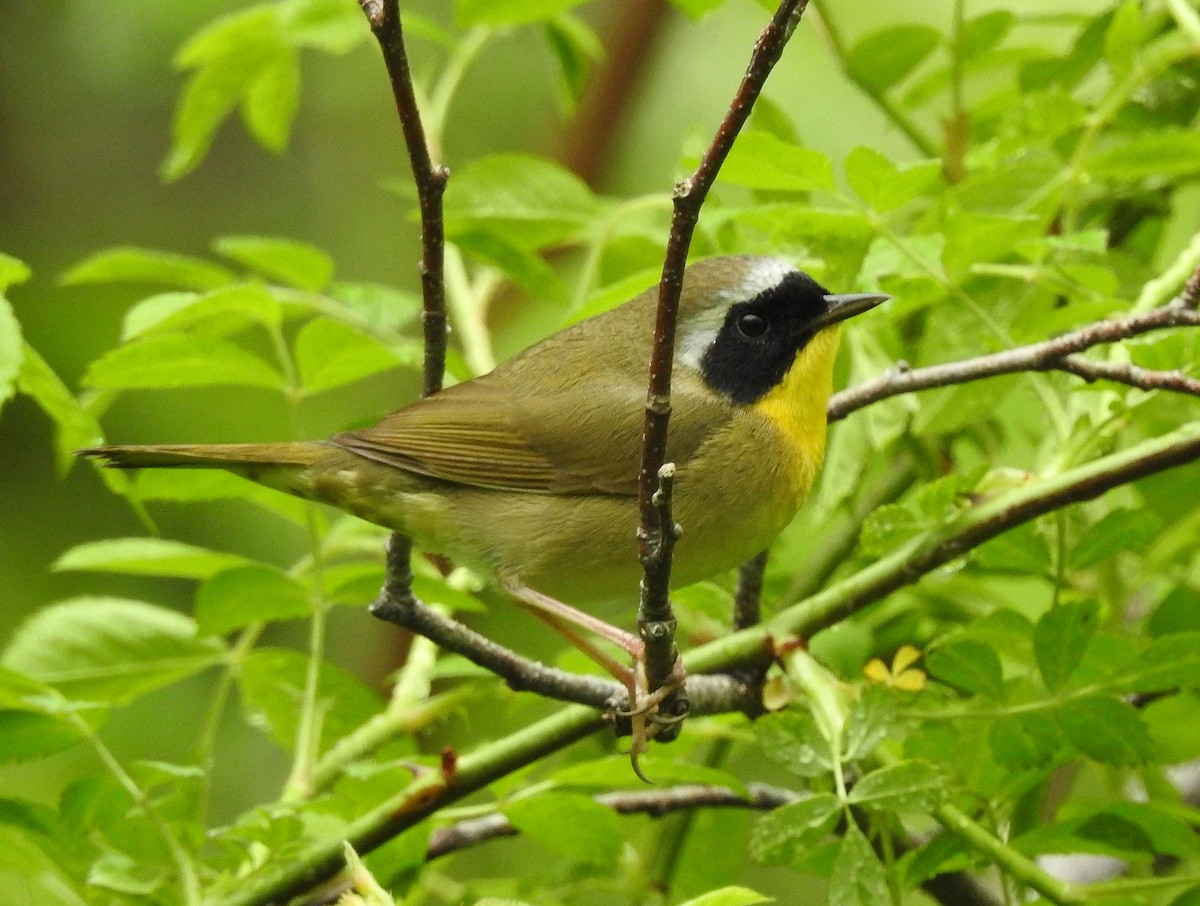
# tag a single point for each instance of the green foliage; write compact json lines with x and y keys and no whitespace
{"x":1033,"y":175}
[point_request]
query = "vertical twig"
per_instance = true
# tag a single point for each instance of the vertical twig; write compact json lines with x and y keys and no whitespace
{"x":747,"y":599}
{"x":655,"y":620}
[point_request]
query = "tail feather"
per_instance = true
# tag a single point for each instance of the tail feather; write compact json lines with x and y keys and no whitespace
{"x":206,"y":456}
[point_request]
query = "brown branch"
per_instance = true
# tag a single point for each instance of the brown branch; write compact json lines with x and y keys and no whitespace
{"x":689,"y":197}
{"x":747,"y":598}
{"x":1049,"y":355}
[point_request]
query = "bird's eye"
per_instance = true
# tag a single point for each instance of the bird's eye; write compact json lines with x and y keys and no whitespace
{"x":751,"y":326}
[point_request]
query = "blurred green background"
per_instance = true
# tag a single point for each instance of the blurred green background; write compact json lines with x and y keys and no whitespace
{"x":87,"y":91}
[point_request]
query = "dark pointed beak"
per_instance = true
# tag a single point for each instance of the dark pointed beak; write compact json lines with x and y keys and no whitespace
{"x":841,"y":306}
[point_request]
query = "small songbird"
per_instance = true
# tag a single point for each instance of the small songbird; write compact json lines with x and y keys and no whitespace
{"x":529,"y":474}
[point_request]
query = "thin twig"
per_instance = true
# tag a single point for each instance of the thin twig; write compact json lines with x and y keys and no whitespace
{"x":656,"y":620}
{"x":688,"y":198}
{"x":747,"y":598}
{"x":1055,"y":354}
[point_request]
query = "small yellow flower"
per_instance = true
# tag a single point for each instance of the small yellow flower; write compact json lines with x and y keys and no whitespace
{"x":901,"y":675}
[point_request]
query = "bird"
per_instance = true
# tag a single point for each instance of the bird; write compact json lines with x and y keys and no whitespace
{"x":528,"y":474}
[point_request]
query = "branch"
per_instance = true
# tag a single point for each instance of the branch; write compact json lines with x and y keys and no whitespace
{"x":688,"y":198}
{"x":1049,"y":355}
{"x":748,"y":596}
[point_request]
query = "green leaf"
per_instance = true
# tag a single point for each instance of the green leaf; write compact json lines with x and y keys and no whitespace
{"x":12,"y":271}
{"x":1021,"y":741}
{"x":575,"y":48}
{"x":1174,"y":725}
{"x":1168,"y":661}
{"x":967,"y":665}
{"x":1123,"y":39}
{"x":883,"y":185}
{"x":1022,"y":550}
{"x":524,"y":266}
{"x":728,"y":896}
{"x":872,"y":717}
{"x":180,"y":360}
{"x":888,"y":527}
{"x":1060,"y":638}
{"x":39,"y":876}
{"x":612,"y":772}
{"x":528,"y":201}
{"x":510,"y":12}
{"x":216,"y":313}
{"x":792,"y":739}
{"x":272,"y":96}
{"x":191,"y":485}
{"x":147,"y":557}
{"x":1176,"y":613}
{"x":329,"y":354}
{"x":12,"y":351}
{"x":294,"y":263}
{"x":760,"y":160}
{"x":858,"y":877}
{"x":981,"y":34}
{"x":138,"y":265}
{"x":786,"y":834}
{"x":75,"y":427}
{"x":28,"y":736}
{"x":109,"y":650}
{"x":885,"y":58}
{"x":272,"y":683}
{"x":595,"y":836}
{"x":910,"y":786}
{"x":1120,"y":530}
{"x":696,"y":10}
{"x":255,"y":593}
{"x":1160,"y":155}
{"x":1106,"y":729}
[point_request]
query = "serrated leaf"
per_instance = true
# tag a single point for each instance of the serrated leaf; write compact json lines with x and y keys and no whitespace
{"x":12,"y":351}
{"x":760,"y":160}
{"x":1106,"y":729}
{"x":12,"y":271}
{"x":190,"y":485}
{"x":967,"y":665}
{"x":729,"y":896}
{"x":858,"y":877}
{"x":1120,"y":530}
{"x":217,"y":313}
{"x":871,"y":719}
{"x":883,"y":185}
{"x":147,"y":557}
{"x":109,"y":650}
{"x":1061,"y":637}
{"x":138,"y":265}
{"x":254,"y":593}
{"x":906,"y":787}
{"x":510,"y":12}
{"x":528,"y":201}
{"x":784,"y":835}
{"x":1020,"y":550}
{"x":329,"y":354}
{"x":28,"y":736}
{"x":1158,"y":154}
{"x":888,"y":527}
{"x":180,"y":360}
{"x":885,"y":58}
{"x":524,"y":266}
{"x":792,"y":739}
{"x":272,"y":681}
{"x":1168,"y":661}
{"x":595,"y":836}
{"x":289,"y":261}
{"x":1021,"y":741}
{"x":75,"y":427}
{"x":271,"y":99}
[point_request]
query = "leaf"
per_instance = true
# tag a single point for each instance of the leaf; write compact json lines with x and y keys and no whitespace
{"x":12,"y":272}
{"x":888,"y":527}
{"x":254,"y":593}
{"x":329,"y":354}
{"x":1061,"y":637}
{"x":39,"y":876}
{"x":1120,"y":530}
{"x":967,"y":665}
{"x":786,"y":834}
{"x":528,"y":201}
{"x":883,"y":185}
{"x":910,"y":786}
{"x":858,"y":877}
{"x":729,"y":896}
{"x":1168,"y":661}
{"x":612,"y":772}
{"x":271,"y":98}
{"x":1021,"y":550}
{"x":180,"y":360}
{"x":871,"y":719}
{"x":1106,"y":729}
{"x":981,"y":34}
{"x":272,"y":683}
{"x":146,"y":557}
{"x":75,"y":427}
{"x":138,"y":265}
{"x":1123,"y":38}
{"x":1173,"y":722}
{"x":1162,"y":154}
{"x":218,"y":312}
{"x":29,"y":736}
{"x":1176,"y":613}
{"x":885,"y":58}
{"x":190,"y":485}
{"x":595,"y":836}
{"x":12,"y":349}
{"x":760,"y":160}
{"x":510,"y":12}
{"x":109,"y":650}
{"x":792,"y":739}
{"x":575,"y":48}
{"x":1021,"y":741}
{"x":294,"y":263}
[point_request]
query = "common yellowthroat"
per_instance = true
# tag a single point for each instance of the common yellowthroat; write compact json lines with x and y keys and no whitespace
{"x":529,"y":473}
